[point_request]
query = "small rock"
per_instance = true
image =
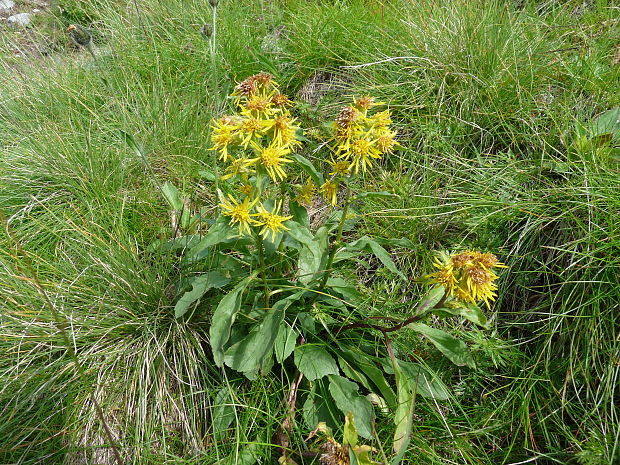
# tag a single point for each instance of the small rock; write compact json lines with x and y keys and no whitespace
{"x":36,"y":10}
{"x":6,"y":5}
{"x":20,"y":19}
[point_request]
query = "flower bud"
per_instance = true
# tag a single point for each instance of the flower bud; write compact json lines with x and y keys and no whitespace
{"x":206,"y":30}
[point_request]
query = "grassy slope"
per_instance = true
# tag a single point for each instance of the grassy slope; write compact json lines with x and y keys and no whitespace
{"x":486,"y":97}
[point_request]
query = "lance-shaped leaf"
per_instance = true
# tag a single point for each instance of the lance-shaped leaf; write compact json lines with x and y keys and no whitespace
{"x":348,"y":399}
{"x":309,"y":168}
{"x":223,"y":319}
{"x":314,"y":361}
{"x":453,"y":348}
{"x":369,"y":245}
{"x":200,"y":285}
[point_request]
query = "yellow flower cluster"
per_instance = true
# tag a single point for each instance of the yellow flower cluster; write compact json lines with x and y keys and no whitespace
{"x":262,"y":126}
{"x":468,"y":276}
{"x":256,"y":141}
{"x":358,"y":139}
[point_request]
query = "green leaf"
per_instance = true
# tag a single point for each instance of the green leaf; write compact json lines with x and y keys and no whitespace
{"x":300,"y":214}
{"x":285,"y":342}
{"x":314,"y":361}
{"x":223,"y":319}
{"x":342,"y":287}
{"x":172,"y":195}
{"x":200,"y":285}
{"x":607,"y":122}
{"x":316,"y":409}
{"x":350,"y":432}
{"x":219,"y":232}
{"x":468,"y":311}
{"x":347,"y":398}
{"x":370,"y":245}
{"x":248,"y":355}
{"x":403,"y":417}
{"x":432,"y":297}
{"x":222,"y":414}
{"x":310,"y":254}
{"x":365,"y":365}
{"x":453,"y":348}
{"x":309,"y":168}
{"x":208,"y":175}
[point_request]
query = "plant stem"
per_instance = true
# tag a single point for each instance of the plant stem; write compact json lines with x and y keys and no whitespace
{"x":334,"y":249}
{"x":263,"y":270}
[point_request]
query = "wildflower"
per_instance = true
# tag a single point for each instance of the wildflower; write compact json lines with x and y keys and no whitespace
{"x":259,"y":104}
{"x":280,"y":100}
{"x":223,"y":135}
{"x":284,"y":130}
{"x":236,"y":167}
{"x":306,"y":193}
{"x":363,"y":153}
{"x":340,"y":167}
{"x":271,"y":158}
{"x":246,"y":189}
{"x":381,"y":119}
{"x":239,"y":212}
{"x":386,"y":142}
{"x":247,"y":86}
{"x":333,"y":453}
{"x":250,"y":127}
{"x":468,"y":276}
{"x":330,"y":191}
{"x":346,"y":117}
{"x":366,"y":103}
{"x":271,"y":221}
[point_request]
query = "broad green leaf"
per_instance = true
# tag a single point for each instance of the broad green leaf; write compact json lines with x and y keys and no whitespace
{"x":309,"y":168}
{"x":314,"y":361}
{"x":310,"y":254}
{"x":223,"y":319}
{"x":285,"y":342}
{"x":219,"y":232}
{"x":348,"y":399}
{"x":365,"y":365}
{"x":250,"y":453}
{"x":607,"y":122}
{"x":248,"y":354}
{"x":300,"y":214}
{"x":316,"y":409}
{"x":468,"y":311}
{"x":350,"y":372}
{"x":432,"y":297}
{"x":370,"y":245}
{"x":453,"y":348}
{"x":208,"y":175}
{"x":347,"y":291}
{"x":222,"y":414}
{"x":172,"y":195}
{"x":200,"y":285}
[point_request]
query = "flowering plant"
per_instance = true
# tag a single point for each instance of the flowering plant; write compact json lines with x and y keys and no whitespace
{"x":270,"y":277}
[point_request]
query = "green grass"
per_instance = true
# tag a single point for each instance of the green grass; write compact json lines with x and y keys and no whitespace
{"x":486,"y":97}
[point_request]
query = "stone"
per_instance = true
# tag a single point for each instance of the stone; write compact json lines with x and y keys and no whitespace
{"x":6,"y":5}
{"x":20,"y":19}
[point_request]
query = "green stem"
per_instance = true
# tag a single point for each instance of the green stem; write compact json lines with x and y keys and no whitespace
{"x":336,"y":245}
{"x":263,"y":270}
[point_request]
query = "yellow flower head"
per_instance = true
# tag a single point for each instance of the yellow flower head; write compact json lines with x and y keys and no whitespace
{"x":272,"y":158}
{"x":381,"y":119}
{"x":239,"y":212}
{"x":468,"y":276}
{"x":236,"y":167}
{"x":363,"y":152}
{"x":251,"y":127}
{"x":330,"y":191}
{"x":339,"y":168}
{"x":284,"y":130}
{"x":223,"y":135}
{"x":271,"y":221}
{"x":386,"y":141}
{"x":280,"y":100}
